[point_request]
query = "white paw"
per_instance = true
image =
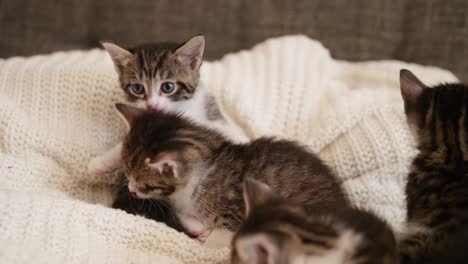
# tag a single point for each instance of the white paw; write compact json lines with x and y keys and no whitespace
{"x":218,"y":238}
{"x":203,"y":236}
{"x":97,"y":166}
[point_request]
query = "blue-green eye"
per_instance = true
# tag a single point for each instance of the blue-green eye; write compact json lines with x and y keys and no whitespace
{"x":167,"y":87}
{"x":138,"y":89}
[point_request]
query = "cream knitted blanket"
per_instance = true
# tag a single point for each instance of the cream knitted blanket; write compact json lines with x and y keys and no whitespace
{"x":57,"y":111}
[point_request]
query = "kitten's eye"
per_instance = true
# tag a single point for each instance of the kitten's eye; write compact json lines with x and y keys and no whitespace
{"x":138,"y":89}
{"x":148,"y":188}
{"x":144,"y":189}
{"x":167,"y":87}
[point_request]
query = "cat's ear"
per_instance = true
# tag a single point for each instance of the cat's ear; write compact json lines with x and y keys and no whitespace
{"x":119,"y":55}
{"x":191,"y":52}
{"x":165,"y":163}
{"x":411,"y":89}
{"x":256,"y":193}
{"x":258,"y":248}
{"x":129,"y":113}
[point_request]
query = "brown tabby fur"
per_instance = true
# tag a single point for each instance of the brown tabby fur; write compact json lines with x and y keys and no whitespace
{"x":146,"y":63}
{"x":157,"y":210}
{"x":437,"y":188}
{"x":220,"y":167}
{"x":151,"y":59}
{"x":277,"y":230}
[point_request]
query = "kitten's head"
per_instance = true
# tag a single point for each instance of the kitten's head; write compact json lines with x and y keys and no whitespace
{"x":437,"y":115}
{"x":161,"y":151}
{"x":153,"y":76}
{"x":268,"y":233}
{"x":277,"y":230}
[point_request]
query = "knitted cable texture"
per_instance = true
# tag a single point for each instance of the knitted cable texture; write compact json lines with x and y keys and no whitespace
{"x":57,"y":112}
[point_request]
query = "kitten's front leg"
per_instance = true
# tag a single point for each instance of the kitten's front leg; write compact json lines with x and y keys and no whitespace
{"x":203,"y":237}
{"x":192,"y":225}
{"x":219,"y":238}
{"x":107,"y":162}
{"x":195,"y":227}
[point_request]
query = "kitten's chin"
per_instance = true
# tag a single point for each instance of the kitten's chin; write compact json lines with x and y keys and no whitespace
{"x":138,"y":195}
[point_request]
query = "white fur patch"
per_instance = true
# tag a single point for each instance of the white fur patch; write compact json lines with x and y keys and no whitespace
{"x":195,"y":110}
{"x":162,"y":164}
{"x":219,"y":238}
{"x":107,"y":162}
{"x":184,"y":202}
{"x":247,"y":248}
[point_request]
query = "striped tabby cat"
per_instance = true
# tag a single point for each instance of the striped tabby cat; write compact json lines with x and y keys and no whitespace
{"x":165,"y":76}
{"x":162,"y":76}
{"x":199,"y":172}
{"x":277,"y":231}
{"x":437,"y":188}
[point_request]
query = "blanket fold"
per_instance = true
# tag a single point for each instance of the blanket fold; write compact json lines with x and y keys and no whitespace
{"x":57,"y":112}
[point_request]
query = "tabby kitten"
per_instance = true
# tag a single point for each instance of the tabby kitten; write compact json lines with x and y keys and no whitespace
{"x":200,"y":173}
{"x":437,"y":188}
{"x":277,"y":230}
{"x":158,"y":210}
{"x":165,"y":76}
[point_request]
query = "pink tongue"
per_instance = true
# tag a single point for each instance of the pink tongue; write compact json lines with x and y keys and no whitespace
{"x":196,"y":232}
{"x":134,"y":195}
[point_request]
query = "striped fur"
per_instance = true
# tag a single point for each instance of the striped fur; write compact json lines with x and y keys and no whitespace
{"x":150,"y":67}
{"x":437,"y":188}
{"x":210,"y":169}
{"x":277,"y":230}
{"x":156,"y":61}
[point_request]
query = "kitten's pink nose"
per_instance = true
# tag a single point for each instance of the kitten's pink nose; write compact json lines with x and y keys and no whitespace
{"x":153,"y":107}
{"x":134,"y":195}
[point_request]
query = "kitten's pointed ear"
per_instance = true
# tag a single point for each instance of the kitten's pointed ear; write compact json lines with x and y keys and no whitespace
{"x":191,"y":52}
{"x":411,"y":88}
{"x":257,"y":249}
{"x":165,"y":164}
{"x":129,"y":113}
{"x":119,"y":56}
{"x":256,"y":193}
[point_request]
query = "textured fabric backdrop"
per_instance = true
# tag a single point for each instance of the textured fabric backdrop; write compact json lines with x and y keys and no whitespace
{"x":430,"y":32}
{"x":57,"y":111}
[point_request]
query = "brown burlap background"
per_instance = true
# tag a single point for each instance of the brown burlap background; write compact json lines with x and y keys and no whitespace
{"x":430,"y":32}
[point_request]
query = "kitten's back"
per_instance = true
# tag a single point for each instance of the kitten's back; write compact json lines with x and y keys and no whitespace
{"x":437,"y":188}
{"x":292,"y":171}
{"x":282,"y":231}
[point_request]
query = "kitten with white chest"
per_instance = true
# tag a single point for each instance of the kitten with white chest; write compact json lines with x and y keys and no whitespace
{"x":165,"y":76}
{"x":199,"y":172}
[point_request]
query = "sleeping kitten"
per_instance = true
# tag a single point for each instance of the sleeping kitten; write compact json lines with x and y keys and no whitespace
{"x":437,"y":188}
{"x":199,"y":172}
{"x":277,"y":230}
{"x":165,"y":76}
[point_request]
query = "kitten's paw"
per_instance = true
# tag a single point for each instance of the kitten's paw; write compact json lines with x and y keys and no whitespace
{"x":218,"y":238}
{"x":99,"y":167}
{"x":204,"y":235}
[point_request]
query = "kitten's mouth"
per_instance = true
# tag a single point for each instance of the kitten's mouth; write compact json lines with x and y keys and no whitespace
{"x":152,"y":107}
{"x":134,"y":195}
